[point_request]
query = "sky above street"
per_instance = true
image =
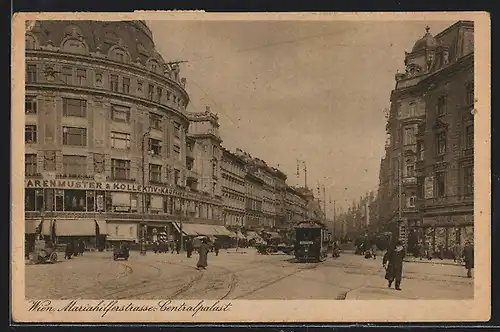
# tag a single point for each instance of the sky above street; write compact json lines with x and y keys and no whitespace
{"x":285,"y":90}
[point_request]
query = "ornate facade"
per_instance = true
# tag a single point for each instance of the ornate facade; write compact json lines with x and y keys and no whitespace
{"x":233,"y":174}
{"x":428,"y":167}
{"x":106,"y":121}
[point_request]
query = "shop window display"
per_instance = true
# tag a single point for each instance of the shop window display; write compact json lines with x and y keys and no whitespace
{"x":74,"y":200}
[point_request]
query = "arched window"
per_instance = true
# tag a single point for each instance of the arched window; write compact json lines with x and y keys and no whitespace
{"x":73,"y":41}
{"x":119,"y":54}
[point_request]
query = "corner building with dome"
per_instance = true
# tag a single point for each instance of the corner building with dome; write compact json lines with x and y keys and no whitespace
{"x":427,"y":174}
{"x":105,"y":122}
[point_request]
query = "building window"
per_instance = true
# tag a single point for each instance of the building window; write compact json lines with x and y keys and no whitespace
{"x":420,"y":151}
{"x":441,"y":105}
{"x":120,"y":140}
{"x":119,"y":56}
{"x":155,"y":146}
{"x":90,"y":200}
{"x":177,"y":177}
{"x":154,"y":173}
{"x":139,"y":86}
{"x":409,"y":136}
{"x":74,"y":136}
{"x":410,"y":169}
{"x":120,"y":113}
{"x":151,"y":90}
{"x":159,"y":93}
{"x":113,"y":81}
{"x":120,"y":169}
{"x":81,"y":76}
{"x":155,"y":121}
{"x":67,"y":75}
{"x":30,"y":105}
{"x":469,"y":97}
{"x":469,"y":136}
{"x":440,"y":184}
{"x":126,"y":85}
{"x":177,"y":129}
{"x":30,"y":134}
{"x":74,"y":107}
{"x":468,"y":172}
{"x":441,"y":143}
{"x":413,"y":110}
{"x":31,"y":74}
{"x":177,"y":151}
{"x":30,"y":164}
{"x":411,"y":199}
{"x":74,"y":200}
{"x":76,"y":165}
{"x":153,"y":67}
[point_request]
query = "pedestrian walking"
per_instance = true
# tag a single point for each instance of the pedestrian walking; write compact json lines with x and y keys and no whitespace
{"x":457,"y":253}
{"x":422,"y":251}
{"x":203,"y":255}
{"x":468,"y":255}
{"x":217,"y":247}
{"x":76,"y":248}
{"x":189,"y":247}
{"x":374,"y":251}
{"x":394,"y":268}
{"x":81,"y":247}
{"x":156,"y":247}
{"x":68,"y":251}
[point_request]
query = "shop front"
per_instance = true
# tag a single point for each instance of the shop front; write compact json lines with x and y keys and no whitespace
{"x":71,"y":230}
{"x":444,"y":234}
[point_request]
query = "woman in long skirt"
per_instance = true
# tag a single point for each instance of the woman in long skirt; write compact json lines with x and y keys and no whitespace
{"x":203,"y":251}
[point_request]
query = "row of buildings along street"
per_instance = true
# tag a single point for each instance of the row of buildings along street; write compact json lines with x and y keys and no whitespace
{"x":426,"y":182}
{"x":112,"y":154}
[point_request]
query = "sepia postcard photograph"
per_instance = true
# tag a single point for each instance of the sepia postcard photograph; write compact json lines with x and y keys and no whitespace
{"x":274,"y":167}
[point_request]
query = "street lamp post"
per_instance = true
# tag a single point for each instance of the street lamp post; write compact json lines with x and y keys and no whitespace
{"x":143,"y":235}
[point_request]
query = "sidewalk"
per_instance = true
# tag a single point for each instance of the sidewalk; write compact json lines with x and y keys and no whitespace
{"x":433,"y":261}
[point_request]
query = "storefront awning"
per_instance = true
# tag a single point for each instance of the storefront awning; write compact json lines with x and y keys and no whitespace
{"x":223,"y":231}
{"x":196,"y":229}
{"x":75,"y":227}
{"x":31,"y":225}
{"x":274,"y":235}
{"x":103,"y":227}
{"x":122,"y":231}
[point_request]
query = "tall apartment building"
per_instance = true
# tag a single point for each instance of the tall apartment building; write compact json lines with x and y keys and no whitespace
{"x":430,"y":156}
{"x":106,"y":122}
{"x":233,"y":176}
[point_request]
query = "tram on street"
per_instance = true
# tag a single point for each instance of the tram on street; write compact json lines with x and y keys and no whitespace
{"x":311,"y":242}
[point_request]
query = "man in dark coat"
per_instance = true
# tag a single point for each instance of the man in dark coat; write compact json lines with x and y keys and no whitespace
{"x":216,"y":247}
{"x":468,"y":255}
{"x":203,"y":252}
{"x":394,"y":260}
{"x":76,"y":248}
{"x":189,"y":247}
{"x":82,"y":247}
{"x":68,"y":252}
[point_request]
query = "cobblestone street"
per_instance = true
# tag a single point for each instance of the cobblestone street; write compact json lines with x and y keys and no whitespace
{"x":239,"y":275}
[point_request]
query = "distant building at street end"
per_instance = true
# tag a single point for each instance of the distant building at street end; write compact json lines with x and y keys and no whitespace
{"x":429,"y":158}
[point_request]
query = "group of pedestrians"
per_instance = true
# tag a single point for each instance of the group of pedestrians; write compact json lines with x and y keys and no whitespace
{"x":74,"y":248}
{"x":393,"y":262}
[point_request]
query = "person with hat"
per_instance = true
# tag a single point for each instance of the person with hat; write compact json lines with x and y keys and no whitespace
{"x":393,"y":264}
{"x":203,"y":254}
{"x":468,"y":255}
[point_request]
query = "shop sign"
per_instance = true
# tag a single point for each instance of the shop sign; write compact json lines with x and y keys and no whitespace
{"x":97,"y":185}
{"x":429,"y":187}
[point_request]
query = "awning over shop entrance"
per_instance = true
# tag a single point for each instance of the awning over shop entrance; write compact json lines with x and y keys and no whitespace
{"x":223,"y":231}
{"x":122,"y":231}
{"x":103,"y":227}
{"x":75,"y":227}
{"x":31,"y":225}
{"x":196,"y":229}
